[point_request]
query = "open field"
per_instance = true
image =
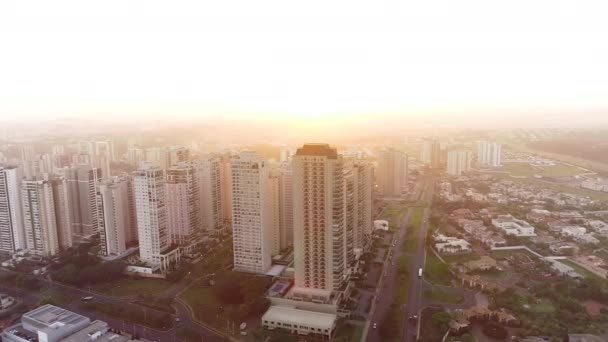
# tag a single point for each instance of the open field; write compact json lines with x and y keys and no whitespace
{"x":527,"y":170}
{"x":402,"y":285}
{"x":544,"y":306}
{"x":393,"y":213}
{"x":502,"y":254}
{"x":133,"y":287}
{"x":579,"y":269}
{"x":441,"y":295}
{"x":435,"y":271}
{"x":409,"y":244}
{"x":460,"y":258}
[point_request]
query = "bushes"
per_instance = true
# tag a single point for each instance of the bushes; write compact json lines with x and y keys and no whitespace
{"x":95,"y":273}
{"x":152,"y":319}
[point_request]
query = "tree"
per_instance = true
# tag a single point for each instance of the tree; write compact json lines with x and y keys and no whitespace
{"x":441,"y":318}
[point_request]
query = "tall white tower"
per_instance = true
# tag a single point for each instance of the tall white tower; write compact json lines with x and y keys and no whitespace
{"x":39,"y":218}
{"x":319,"y":220}
{"x":392,"y":172}
{"x":183,"y":204}
{"x":151,"y":207}
{"x":12,"y":234}
{"x":251,"y":213}
{"x":113,"y":211}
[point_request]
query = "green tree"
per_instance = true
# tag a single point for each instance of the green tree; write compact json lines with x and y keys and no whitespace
{"x":441,"y":318}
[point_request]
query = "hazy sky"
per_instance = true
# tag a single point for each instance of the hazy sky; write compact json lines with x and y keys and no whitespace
{"x":306,"y":59}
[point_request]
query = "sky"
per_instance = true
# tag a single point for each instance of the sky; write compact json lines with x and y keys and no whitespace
{"x":306,"y":60}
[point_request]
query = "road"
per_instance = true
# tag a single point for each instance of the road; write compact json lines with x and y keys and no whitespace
{"x":386,"y":287}
{"x":417,"y":262}
{"x":167,"y":335}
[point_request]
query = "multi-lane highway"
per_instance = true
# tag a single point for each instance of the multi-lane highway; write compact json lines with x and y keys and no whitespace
{"x":386,"y":286}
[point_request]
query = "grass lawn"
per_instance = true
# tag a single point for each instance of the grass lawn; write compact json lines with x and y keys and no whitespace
{"x":579,"y":269}
{"x":460,"y":258}
{"x":544,"y":306}
{"x":402,"y":285}
{"x":200,"y":298}
{"x":57,"y":297}
{"x":542,"y":184}
{"x":428,"y":331}
{"x":493,"y":274}
{"x":133,"y":287}
{"x":393,"y":213}
{"x":441,"y":295}
{"x":525,"y":169}
{"x":435,"y":271}
{"x":409,"y":243}
{"x":349,"y":333}
{"x":502,"y":254}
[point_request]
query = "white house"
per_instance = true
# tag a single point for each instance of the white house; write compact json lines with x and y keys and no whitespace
{"x":513,"y":226}
{"x":381,"y":225}
{"x":449,"y":244}
{"x":300,"y":322}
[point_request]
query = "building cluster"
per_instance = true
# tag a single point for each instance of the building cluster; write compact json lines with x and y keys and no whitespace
{"x":164,"y":208}
{"x":489,"y":154}
{"x":175,"y":199}
{"x":54,"y":324}
{"x":332,"y":225}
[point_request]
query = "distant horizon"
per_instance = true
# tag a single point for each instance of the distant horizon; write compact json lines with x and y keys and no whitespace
{"x":307,"y":62}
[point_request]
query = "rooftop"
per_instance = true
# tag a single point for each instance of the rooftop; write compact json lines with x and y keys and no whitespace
{"x":320,"y":150}
{"x":54,"y":317}
{"x":300,"y":317}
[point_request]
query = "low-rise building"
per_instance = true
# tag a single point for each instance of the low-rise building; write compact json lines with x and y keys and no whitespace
{"x":450,"y":244}
{"x":483,"y":264}
{"x":512,"y":226}
{"x":50,"y":323}
{"x":6,"y":301}
{"x":563,"y":269}
{"x":300,"y":322}
{"x":600,"y":227}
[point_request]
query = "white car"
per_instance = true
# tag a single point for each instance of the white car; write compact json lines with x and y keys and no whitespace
{"x":375,"y":325}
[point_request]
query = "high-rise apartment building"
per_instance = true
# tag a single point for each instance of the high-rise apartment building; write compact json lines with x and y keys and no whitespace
{"x":363,"y":174}
{"x":113,"y":215}
{"x":252,"y":214}
{"x":151,"y":208}
{"x":160,"y":156}
{"x":132,"y":234}
{"x":136,"y":155}
{"x":63,"y":211}
{"x":489,"y":154}
{"x":179,"y":155}
{"x":39,"y":217}
{"x":431,"y":153}
{"x":226,"y":187}
{"x":286,"y":204}
{"x":208,"y":169}
{"x":182,"y":200}
{"x":392,"y":173}
{"x":82,"y":184}
{"x":319,"y":221}
{"x":273,"y":201}
{"x":12,"y":234}
{"x":459,"y":162}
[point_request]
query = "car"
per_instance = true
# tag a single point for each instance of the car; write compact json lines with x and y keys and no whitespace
{"x":385,"y":274}
{"x":375,"y":325}
{"x":177,"y":319}
{"x":86,"y":299}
